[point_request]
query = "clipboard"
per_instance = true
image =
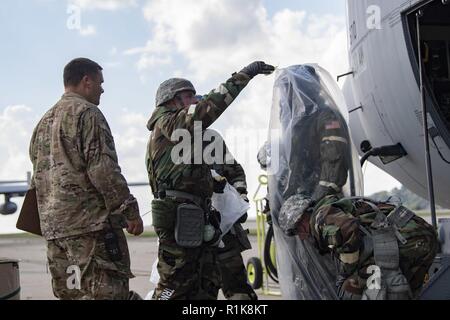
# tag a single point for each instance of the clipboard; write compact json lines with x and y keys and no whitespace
{"x":29,"y":215}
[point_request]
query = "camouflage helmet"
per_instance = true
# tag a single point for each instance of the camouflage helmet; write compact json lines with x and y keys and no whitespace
{"x":291,"y":212}
{"x":169,"y":88}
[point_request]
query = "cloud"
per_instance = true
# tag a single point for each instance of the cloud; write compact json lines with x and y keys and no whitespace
{"x":76,"y":6}
{"x":110,"y":5}
{"x":155,"y":53}
{"x":214,"y":38}
{"x":16,"y":127}
{"x":146,"y":62}
{"x":376,"y":180}
{"x":205,"y":41}
{"x":220,"y":36}
{"x":88,"y":31}
{"x":18,"y":121}
{"x":113,"y":51}
{"x":131,"y":136}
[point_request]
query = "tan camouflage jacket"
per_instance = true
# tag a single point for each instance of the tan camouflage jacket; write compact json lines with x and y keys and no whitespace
{"x":76,"y":174}
{"x":193,"y":177}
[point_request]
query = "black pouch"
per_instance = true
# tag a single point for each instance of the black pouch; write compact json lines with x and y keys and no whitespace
{"x":112,"y":245}
{"x":164,"y":213}
{"x":189,"y":226}
{"x":242,"y":236}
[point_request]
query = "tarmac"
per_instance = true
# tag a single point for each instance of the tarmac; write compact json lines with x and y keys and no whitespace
{"x":35,"y":279}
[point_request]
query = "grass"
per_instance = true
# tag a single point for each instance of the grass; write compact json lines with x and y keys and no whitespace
{"x":18,"y":235}
{"x":152,"y":234}
{"x":146,"y":234}
{"x":442,"y":213}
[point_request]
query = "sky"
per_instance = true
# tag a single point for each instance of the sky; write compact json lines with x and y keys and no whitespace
{"x":141,"y":43}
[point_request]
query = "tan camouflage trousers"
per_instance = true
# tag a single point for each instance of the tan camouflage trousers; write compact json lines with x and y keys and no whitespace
{"x":233,"y":272}
{"x":185,"y":274}
{"x":82,"y":269}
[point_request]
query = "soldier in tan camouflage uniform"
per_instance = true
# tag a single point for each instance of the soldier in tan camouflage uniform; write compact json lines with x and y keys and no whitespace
{"x":186,"y":272}
{"x":83,"y":199}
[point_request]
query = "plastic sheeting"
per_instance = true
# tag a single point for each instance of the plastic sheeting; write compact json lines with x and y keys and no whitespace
{"x":307,"y":104}
{"x":230,"y":205}
{"x":154,"y":279}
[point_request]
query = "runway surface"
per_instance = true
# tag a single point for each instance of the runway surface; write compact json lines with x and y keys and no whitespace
{"x":35,"y":278}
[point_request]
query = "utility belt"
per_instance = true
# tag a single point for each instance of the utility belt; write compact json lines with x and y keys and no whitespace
{"x":191,"y":217}
{"x":204,"y":203}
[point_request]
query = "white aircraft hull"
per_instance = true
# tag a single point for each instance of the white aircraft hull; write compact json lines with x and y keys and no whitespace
{"x":385,"y":87}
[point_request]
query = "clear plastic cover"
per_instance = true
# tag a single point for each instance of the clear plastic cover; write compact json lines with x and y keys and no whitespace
{"x":310,"y":154}
{"x":230,"y":205}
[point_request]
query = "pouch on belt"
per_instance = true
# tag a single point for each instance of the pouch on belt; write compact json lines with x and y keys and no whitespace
{"x":242,"y":236}
{"x":164,"y":214}
{"x":189,"y":226}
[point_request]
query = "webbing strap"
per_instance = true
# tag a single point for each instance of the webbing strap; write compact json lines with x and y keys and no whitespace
{"x":184,"y":195}
{"x":151,"y":173}
{"x":400,"y":217}
{"x":380,"y":219}
{"x":396,"y":220}
{"x":367,"y":250}
{"x":385,"y":248}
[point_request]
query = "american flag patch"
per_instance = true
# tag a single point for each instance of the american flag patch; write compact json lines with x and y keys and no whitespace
{"x":333,"y":125}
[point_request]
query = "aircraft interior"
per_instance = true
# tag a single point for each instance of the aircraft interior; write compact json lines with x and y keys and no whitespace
{"x":435,"y":43}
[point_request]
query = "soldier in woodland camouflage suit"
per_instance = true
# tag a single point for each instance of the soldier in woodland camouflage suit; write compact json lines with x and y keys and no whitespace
{"x":83,"y":199}
{"x":361,"y":234}
{"x":186,"y":272}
